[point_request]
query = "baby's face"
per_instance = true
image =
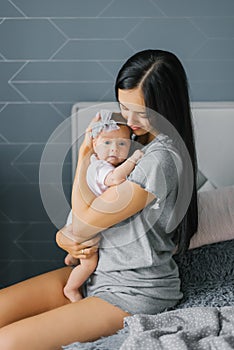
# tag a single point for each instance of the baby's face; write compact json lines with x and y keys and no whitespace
{"x":113,"y":146}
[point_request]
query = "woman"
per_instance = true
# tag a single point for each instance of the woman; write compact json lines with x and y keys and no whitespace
{"x":139,"y":220}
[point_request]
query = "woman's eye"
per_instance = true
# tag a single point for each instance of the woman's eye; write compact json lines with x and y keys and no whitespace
{"x":122,"y":143}
{"x":123,"y":107}
{"x":142,"y":115}
{"x":107,"y":142}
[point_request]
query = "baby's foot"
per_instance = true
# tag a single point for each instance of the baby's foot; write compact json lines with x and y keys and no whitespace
{"x":72,"y":294}
{"x":69,"y":260}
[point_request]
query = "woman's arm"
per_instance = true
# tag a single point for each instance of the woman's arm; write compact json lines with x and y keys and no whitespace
{"x":73,"y":248}
{"x":91,"y":214}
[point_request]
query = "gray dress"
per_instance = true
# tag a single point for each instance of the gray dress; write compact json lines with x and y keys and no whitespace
{"x":136,"y":270}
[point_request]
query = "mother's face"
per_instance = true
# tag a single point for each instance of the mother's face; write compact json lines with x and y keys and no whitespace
{"x":133,"y":109}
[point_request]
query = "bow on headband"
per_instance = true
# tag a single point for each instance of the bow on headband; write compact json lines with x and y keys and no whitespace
{"x":106,"y":123}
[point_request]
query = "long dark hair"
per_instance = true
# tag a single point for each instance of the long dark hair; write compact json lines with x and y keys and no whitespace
{"x":163,"y":83}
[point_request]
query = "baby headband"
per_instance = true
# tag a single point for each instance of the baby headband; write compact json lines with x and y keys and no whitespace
{"x":106,"y":123}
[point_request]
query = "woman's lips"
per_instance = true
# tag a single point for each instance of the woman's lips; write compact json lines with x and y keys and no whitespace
{"x":133,"y":127}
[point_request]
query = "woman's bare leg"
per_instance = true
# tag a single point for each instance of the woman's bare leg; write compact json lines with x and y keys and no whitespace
{"x":33,"y":296}
{"x":86,"y":320}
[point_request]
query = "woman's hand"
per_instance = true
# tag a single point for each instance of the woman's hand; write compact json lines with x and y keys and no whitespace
{"x":87,"y":144}
{"x":76,"y":250}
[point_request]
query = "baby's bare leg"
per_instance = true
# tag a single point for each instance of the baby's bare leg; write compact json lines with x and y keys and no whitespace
{"x":78,"y":276}
{"x":71,"y":290}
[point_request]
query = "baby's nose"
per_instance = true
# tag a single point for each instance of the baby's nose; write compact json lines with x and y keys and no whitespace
{"x":114,"y":148}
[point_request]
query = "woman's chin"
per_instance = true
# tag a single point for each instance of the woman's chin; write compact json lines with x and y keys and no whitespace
{"x":139,"y":132}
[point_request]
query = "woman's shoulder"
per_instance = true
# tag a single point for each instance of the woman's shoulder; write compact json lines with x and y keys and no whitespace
{"x":162,"y":147}
{"x":160,"y":142}
{"x":161,"y":155}
{"x":157,"y":171}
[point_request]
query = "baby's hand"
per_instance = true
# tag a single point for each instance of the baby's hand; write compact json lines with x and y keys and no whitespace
{"x":136,"y":156}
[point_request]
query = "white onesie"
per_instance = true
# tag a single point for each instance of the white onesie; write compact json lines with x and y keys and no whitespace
{"x":96,"y":174}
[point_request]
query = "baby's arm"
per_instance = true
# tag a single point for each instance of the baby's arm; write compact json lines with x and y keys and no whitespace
{"x":120,"y":173}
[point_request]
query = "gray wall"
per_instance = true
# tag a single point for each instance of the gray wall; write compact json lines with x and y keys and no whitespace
{"x":54,"y":53}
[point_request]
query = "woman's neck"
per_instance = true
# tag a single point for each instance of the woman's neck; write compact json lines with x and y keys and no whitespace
{"x":147,"y":138}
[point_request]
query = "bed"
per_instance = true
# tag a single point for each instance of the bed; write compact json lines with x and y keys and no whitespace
{"x":203,"y":319}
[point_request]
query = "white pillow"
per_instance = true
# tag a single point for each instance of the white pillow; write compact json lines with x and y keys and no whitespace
{"x":215,"y":217}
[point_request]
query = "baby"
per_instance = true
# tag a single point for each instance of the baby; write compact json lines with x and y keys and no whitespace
{"x":109,"y":166}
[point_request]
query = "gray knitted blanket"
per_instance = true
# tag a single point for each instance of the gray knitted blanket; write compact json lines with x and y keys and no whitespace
{"x":202,"y":320}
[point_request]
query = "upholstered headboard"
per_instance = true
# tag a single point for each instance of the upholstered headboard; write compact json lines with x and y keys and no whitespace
{"x":213,"y":126}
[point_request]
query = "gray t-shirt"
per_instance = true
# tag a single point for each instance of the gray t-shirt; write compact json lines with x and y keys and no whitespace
{"x":136,"y":270}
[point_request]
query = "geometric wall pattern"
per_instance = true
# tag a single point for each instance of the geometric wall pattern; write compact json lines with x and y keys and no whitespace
{"x":54,"y":53}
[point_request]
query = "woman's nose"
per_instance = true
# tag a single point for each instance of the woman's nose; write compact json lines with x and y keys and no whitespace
{"x":131,"y":118}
